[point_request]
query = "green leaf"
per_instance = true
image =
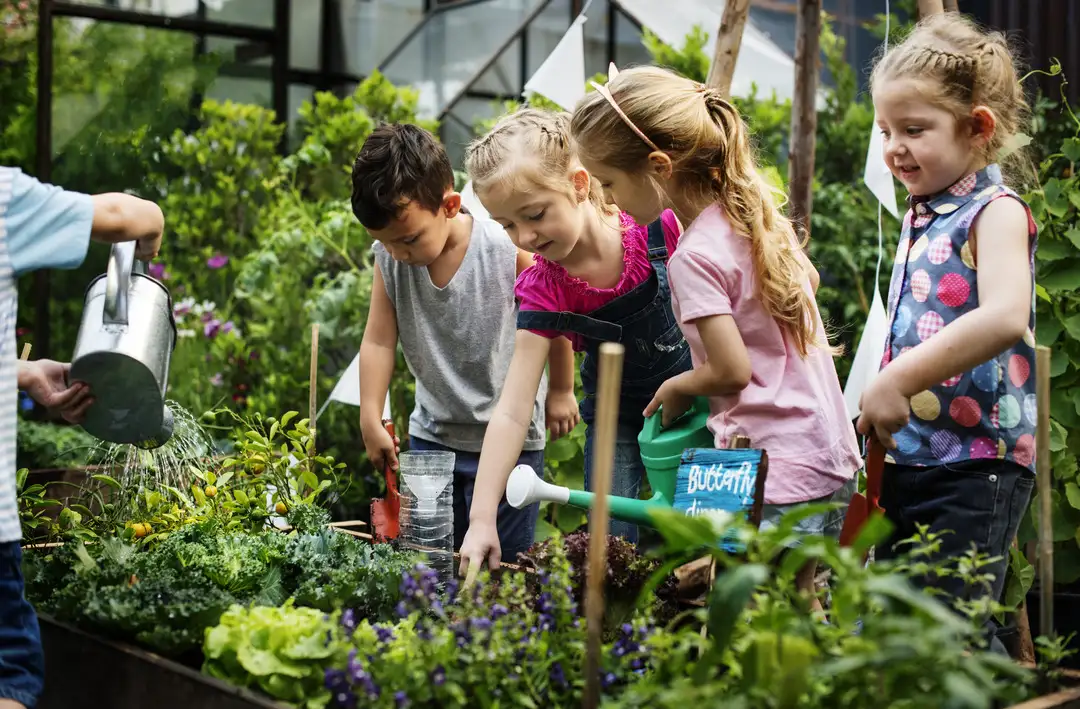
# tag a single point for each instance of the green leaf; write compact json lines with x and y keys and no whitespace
{"x":730,"y":595}
{"x":1059,"y":362}
{"x":681,"y":532}
{"x":561,"y":450}
{"x":1064,"y":278}
{"x":1057,"y":202}
{"x":1048,"y":330}
{"x":1072,"y":492}
{"x":1073,"y":235}
{"x":1071,"y":149}
{"x":107,"y":479}
{"x":1058,"y":436}
{"x":289,"y":416}
{"x":1054,"y":250}
{"x":225,"y":477}
{"x":309,"y":479}
{"x":241,"y":497}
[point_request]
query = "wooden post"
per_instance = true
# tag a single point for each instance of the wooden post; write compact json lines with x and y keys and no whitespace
{"x":312,"y":392}
{"x":804,"y":114}
{"x":728,"y":40}
{"x":25,"y":356}
{"x":1042,"y":474}
{"x":951,"y":6}
{"x":930,"y":7}
{"x":607,"y":418}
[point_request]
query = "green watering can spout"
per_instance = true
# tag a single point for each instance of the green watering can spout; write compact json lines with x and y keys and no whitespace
{"x":661,"y":452}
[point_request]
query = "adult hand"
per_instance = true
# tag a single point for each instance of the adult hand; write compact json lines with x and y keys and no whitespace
{"x":46,"y":383}
{"x":147,"y":249}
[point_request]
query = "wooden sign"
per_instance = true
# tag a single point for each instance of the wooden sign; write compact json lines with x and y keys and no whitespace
{"x":722,"y":480}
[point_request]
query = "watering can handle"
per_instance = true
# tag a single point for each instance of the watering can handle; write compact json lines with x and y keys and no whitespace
{"x":122,"y":263}
{"x":653,"y":424}
{"x":117,"y":283}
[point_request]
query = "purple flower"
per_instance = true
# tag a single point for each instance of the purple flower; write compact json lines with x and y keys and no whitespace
{"x":498,"y":611}
{"x":558,"y":676}
{"x":334,"y":679}
{"x":401,"y":699}
{"x":384,"y":634}
{"x":348,"y":621}
{"x":402,"y":610}
{"x":217,"y":380}
{"x":438,"y":676}
{"x":157,"y":270}
{"x":608,"y":680}
{"x":217,"y":261}
{"x":212,"y":328}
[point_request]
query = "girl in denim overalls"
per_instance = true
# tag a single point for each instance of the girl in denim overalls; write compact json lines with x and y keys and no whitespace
{"x":598,"y":276}
{"x":955,"y":399}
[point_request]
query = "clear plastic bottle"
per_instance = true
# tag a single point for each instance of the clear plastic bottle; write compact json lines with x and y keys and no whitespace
{"x":426,"y":514}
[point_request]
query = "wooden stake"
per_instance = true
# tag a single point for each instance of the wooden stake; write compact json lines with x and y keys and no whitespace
{"x":804,"y":114}
{"x":25,"y":352}
{"x":1042,"y":475}
{"x":930,"y":7}
{"x":728,"y":40}
{"x":312,"y":392}
{"x":607,"y":419}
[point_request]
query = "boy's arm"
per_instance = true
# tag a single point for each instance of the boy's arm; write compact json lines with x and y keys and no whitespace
{"x":378,"y":351}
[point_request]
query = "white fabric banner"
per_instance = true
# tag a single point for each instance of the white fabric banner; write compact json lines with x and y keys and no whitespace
{"x":347,"y":390}
{"x":470,"y":200}
{"x":561,"y":77}
{"x":868,"y":355}
{"x":876,"y":175}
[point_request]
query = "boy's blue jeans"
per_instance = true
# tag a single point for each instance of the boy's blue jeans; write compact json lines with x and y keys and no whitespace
{"x":22,"y":662}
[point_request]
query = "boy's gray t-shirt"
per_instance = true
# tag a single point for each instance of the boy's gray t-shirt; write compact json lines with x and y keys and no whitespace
{"x":458,"y":340}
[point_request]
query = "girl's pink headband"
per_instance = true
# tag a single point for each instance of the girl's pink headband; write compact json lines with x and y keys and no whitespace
{"x":603,"y":91}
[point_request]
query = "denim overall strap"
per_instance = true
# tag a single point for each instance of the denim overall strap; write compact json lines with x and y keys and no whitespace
{"x":576,"y":323}
{"x":658,"y":253}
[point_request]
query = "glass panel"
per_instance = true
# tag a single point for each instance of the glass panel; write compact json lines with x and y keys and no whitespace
{"x":504,"y":76}
{"x":305,"y":34}
{"x":546,"y":31}
{"x":298,"y":95}
{"x":370,"y":29}
{"x":459,"y":126}
{"x":439,"y":63}
{"x":628,"y":47}
{"x":256,"y":13}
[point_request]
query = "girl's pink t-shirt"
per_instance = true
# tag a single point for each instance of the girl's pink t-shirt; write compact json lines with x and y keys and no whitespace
{"x":547,"y":287}
{"x":793,"y":407}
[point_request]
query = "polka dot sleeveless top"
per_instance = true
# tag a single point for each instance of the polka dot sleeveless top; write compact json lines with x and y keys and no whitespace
{"x":988,"y":412}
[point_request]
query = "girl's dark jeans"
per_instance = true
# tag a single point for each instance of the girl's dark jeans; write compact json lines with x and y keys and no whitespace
{"x":978,"y":502}
{"x":22,"y":663}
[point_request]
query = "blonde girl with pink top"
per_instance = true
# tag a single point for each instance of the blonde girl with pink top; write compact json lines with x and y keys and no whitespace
{"x":598,"y":275}
{"x":742,"y":288}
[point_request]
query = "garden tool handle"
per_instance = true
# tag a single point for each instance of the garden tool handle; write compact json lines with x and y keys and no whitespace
{"x":117,"y":283}
{"x":654,"y":424}
{"x":391,"y":477}
{"x":875,"y":469}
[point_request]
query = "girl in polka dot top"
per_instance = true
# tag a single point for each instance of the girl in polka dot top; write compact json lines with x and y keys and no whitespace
{"x":955,"y":399}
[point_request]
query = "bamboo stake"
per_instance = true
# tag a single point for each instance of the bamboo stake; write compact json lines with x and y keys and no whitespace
{"x":313,"y":393}
{"x":804,"y":114}
{"x":607,"y":417}
{"x":728,"y":40}
{"x":930,"y":7}
{"x":1042,"y":475}
{"x":25,"y":352}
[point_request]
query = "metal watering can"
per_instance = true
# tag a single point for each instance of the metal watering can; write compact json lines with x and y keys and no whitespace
{"x":661,"y":452}
{"x":125,"y":343}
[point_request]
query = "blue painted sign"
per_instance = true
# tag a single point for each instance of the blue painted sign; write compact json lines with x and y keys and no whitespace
{"x":719,"y":479}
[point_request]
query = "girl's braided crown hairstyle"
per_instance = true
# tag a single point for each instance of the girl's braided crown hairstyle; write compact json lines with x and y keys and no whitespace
{"x":713,"y":161}
{"x":960,"y":65}
{"x":526,"y":148}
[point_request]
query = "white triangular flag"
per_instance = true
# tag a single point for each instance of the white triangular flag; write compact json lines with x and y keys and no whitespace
{"x":472,"y":202}
{"x":876,"y":174}
{"x":347,"y":390}
{"x":868,"y":355}
{"x":561,"y":77}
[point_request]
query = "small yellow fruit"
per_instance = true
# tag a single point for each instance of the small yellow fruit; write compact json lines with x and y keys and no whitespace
{"x":280,"y":508}
{"x":210,"y":491}
{"x":141,"y":530}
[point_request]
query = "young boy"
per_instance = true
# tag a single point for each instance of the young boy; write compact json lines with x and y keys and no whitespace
{"x":444,"y":287}
{"x":42,"y":226}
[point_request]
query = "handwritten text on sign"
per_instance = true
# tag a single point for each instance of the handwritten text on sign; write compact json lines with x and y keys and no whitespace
{"x":712,"y":479}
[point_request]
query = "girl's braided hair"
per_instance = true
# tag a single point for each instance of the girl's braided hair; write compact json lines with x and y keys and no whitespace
{"x":961,"y":65}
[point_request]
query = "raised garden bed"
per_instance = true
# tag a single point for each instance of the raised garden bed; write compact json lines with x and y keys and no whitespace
{"x":85,"y":670}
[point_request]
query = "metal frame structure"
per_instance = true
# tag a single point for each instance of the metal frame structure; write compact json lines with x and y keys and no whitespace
{"x":331,"y":75}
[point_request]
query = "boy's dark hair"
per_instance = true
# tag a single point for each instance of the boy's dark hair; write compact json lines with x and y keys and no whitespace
{"x":398,"y":164}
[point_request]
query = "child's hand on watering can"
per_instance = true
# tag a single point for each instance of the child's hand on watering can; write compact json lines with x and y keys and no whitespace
{"x":46,"y":383}
{"x":561,"y":413}
{"x":672,"y":398}
{"x":481,"y":544}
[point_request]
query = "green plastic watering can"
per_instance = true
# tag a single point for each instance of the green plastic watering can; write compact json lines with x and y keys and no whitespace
{"x":661,"y":452}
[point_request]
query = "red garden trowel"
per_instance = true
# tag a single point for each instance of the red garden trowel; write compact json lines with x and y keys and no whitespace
{"x":384,"y":512}
{"x":863,"y":505}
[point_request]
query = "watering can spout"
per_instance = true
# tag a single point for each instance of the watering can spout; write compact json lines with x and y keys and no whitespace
{"x":525,"y":487}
